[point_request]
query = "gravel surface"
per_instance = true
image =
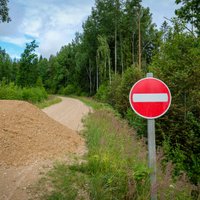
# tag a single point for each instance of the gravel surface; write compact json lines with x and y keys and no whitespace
{"x":31,"y":141}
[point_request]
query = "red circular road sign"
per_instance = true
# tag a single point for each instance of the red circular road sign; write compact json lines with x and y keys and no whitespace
{"x":150,"y":98}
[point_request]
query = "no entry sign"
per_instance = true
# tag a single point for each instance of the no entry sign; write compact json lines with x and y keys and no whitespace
{"x":150,"y":98}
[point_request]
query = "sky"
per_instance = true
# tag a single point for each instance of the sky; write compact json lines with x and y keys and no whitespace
{"x":53,"y":23}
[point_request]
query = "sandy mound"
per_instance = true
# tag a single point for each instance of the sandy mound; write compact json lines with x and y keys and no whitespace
{"x":27,"y":134}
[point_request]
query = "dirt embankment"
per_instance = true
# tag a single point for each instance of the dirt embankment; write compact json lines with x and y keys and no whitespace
{"x":27,"y":134}
{"x":30,"y":141}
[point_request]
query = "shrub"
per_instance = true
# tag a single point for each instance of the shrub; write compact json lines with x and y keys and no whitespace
{"x":118,"y":91}
{"x":71,"y":89}
{"x":10,"y":91}
{"x":112,"y":90}
{"x":102,"y":93}
{"x":34,"y":94}
{"x":137,"y":122}
{"x":130,"y":77}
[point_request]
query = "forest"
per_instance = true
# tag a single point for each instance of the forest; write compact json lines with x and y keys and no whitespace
{"x":118,"y":46}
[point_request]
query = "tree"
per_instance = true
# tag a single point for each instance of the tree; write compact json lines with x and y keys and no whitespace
{"x":4,"y":15}
{"x":27,"y":74}
{"x":189,"y":12}
{"x":103,"y":59}
{"x":7,"y":67}
{"x":87,"y":64}
{"x":177,"y":64}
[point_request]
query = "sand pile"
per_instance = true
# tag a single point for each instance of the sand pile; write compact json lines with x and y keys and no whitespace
{"x":27,"y":134}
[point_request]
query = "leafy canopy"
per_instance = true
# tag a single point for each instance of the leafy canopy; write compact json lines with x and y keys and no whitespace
{"x":4,"y":15}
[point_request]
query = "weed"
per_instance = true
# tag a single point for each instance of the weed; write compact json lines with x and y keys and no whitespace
{"x":115,"y":167}
{"x":50,"y":101}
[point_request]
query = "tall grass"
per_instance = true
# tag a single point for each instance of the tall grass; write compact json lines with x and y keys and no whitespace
{"x":116,"y":164}
{"x":114,"y":168}
{"x":48,"y":102}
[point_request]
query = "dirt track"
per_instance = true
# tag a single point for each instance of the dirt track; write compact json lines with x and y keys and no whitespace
{"x":30,"y":141}
{"x":69,"y":112}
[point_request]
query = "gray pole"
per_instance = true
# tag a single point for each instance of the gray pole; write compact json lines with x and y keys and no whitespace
{"x":152,"y":153}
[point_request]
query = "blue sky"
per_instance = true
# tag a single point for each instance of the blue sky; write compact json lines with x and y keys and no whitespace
{"x":53,"y":23}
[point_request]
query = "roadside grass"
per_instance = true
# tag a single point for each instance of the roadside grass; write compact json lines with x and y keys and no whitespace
{"x":93,"y":103}
{"x":115,"y":167}
{"x":50,"y":101}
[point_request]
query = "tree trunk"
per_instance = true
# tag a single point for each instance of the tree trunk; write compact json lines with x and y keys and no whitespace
{"x":115,"y":49}
{"x":133,"y":46}
{"x":97,"y":75}
{"x":121,"y":51}
{"x":105,"y":68}
{"x":109,"y":69}
{"x":90,"y":76}
{"x":139,"y":43}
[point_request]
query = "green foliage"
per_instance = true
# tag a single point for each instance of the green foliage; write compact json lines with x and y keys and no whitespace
{"x":103,"y":59}
{"x":64,"y":188}
{"x":7,"y":68}
{"x":27,"y":74}
{"x":70,"y":90}
{"x":91,"y":102}
{"x":130,"y":77}
{"x":117,"y":95}
{"x":118,"y":91}
{"x":39,"y":82}
{"x":102,"y":93}
{"x":189,"y":11}
{"x":89,"y":60}
{"x":177,"y":64}
{"x":11,"y":92}
{"x":109,"y":166}
{"x":48,"y":102}
{"x":113,"y":90}
{"x":137,"y":122}
{"x":34,"y":94}
{"x":4,"y":15}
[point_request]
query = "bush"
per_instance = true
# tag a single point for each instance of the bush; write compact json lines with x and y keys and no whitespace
{"x":102,"y":93}
{"x":137,"y":122}
{"x":130,"y":77}
{"x":11,"y":92}
{"x":117,"y":95}
{"x":118,"y":91}
{"x":34,"y":94}
{"x":113,"y":90}
{"x":71,"y":89}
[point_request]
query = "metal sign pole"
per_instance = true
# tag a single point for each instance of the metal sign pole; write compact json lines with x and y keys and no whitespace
{"x":152,"y":153}
{"x":150,"y":98}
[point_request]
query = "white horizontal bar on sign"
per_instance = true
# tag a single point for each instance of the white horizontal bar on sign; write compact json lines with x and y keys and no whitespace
{"x":150,"y":97}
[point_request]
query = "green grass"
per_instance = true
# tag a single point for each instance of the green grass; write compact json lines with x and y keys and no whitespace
{"x":50,"y":101}
{"x":94,"y":104}
{"x":115,"y":167}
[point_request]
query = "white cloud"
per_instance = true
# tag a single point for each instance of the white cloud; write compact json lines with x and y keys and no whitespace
{"x":31,"y":27}
{"x":161,"y":9}
{"x":52,"y":23}
{"x":20,"y":41}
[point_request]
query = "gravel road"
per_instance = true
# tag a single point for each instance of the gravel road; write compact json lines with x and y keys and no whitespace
{"x":69,"y":112}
